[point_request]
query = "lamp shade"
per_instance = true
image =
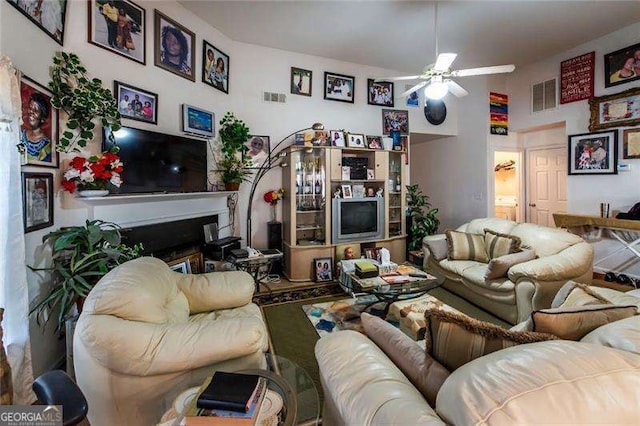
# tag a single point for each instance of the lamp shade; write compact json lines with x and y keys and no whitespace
{"x":436,"y":89}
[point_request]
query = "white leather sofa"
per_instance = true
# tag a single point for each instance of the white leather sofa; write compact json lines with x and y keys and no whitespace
{"x":560,"y":257}
{"x":147,"y":333}
{"x":553,"y":382}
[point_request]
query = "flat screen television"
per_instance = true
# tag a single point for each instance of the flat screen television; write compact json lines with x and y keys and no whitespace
{"x":357,"y":219}
{"x":157,"y":162}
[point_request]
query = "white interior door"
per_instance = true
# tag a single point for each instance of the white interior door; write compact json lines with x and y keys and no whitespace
{"x":547,"y":176}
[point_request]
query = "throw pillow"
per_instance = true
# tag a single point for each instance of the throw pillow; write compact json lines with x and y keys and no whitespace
{"x":573,"y":323}
{"x":498,"y":244}
{"x":464,"y":246}
{"x":438,"y":248}
{"x":454,"y":339}
{"x":499,"y":266}
{"x":577,"y":294}
{"x":426,"y":374}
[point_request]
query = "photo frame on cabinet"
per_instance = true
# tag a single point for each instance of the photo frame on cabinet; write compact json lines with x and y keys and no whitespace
{"x":301,"y":81}
{"x":323,"y":267}
{"x":622,"y":66}
{"x":49,"y":16}
{"x":617,"y":110}
{"x":37,"y":201}
{"x":593,"y":153}
{"x":379,"y":93}
{"x":120,"y":29}
{"x":631,"y":143}
{"x":136,"y":104}
{"x":258,"y":148}
{"x":215,"y":67}
{"x":346,"y":191}
{"x":374,"y":142}
{"x":174,"y":46}
{"x":355,"y":140}
{"x":337,"y":138}
{"x":338,"y":87}
{"x":182,"y":267}
{"x":39,"y":128}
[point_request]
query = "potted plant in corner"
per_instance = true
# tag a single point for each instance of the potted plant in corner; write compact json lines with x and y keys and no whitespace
{"x":81,"y":255}
{"x":421,"y":223}
{"x":233,"y":134}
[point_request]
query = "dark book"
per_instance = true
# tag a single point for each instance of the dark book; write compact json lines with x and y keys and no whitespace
{"x":229,"y":391}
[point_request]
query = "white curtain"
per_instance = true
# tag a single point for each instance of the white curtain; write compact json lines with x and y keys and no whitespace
{"x":13,"y":275}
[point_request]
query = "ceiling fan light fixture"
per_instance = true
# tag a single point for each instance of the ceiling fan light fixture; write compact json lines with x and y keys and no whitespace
{"x":436,"y":89}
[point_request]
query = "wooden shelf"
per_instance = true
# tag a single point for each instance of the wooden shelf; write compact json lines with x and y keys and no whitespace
{"x":394,"y":193}
{"x":395,"y":207}
{"x":395,"y":221}
{"x":309,"y":211}
{"x":309,"y":195}
{"x":308,"y":228}
{"x":358,"y":180}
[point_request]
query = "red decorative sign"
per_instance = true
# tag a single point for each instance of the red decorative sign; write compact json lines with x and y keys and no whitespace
{"x":576,"y":78}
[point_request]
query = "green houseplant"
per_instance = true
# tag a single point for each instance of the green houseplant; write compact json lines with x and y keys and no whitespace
{"x":424,"y":219}
{"x":81,"y":255}
{"x":83,"y":99}
{"x":233,"y":134}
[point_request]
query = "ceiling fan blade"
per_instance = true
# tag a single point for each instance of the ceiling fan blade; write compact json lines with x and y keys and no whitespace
{"x":413,"y":89}
{"x":406,"y":77}
{"x":456,"y":89}
{"x":484,"y":70}
{"x":444,"y":61}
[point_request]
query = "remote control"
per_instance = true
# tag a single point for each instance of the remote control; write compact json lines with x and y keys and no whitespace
{"x":417,"y":275}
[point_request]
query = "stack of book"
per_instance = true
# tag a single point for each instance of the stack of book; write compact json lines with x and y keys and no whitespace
{"x":227,"y":399}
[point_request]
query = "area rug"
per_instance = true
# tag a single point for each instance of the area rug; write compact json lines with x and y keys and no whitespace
{"x":285,"y":296}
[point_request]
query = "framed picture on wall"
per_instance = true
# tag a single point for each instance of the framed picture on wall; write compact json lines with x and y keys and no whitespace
{"x":215,"y":67}
{"x":617,"y":110}
{"x":136,"y":104}
{"x":622,"y":66}
{"x":258,"y":151}
{"x":594,"y":153}
{"x":118,"y":27}
{"x":301,"y":81}
{"x":338,"y":87}
{"x":198,"y":121}
{"x":395,"y":119}
{"x":39,"y":129}
{"x":48,"y":15}
{"x":631,"y":143}
{"x":323,"y":269}
{"x":379,"y":93}
{"x":37,"y":199}
{"x":174,"y":46}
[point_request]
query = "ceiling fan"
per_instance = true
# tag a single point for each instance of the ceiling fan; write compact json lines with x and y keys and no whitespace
{"x":438,"y":77}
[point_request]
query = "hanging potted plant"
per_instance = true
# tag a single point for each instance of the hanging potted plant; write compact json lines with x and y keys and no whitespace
{"x":233,"y":134}
{"x":81,"y":255}
{"x":84,"y":100}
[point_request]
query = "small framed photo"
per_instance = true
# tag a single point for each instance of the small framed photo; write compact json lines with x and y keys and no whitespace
{"x":198,"y":121}
{"x":37,"y":198}
{"x":136,"y":104}
{"x":119,"y":27}
{"x":371,"y":174}
{"x":174,"y":46}
{"x":594,"y":153}
{"x":337,"y":138}
{"x":301,"y":81}
{"x":395,"y":119}
{"x":39,"y":129}
{"x":622,"y":66}
{"x":412,"y":100}
{"x":338,"y":87}
{"x":48,"y":15}
{"x":215,"y":67}
{"x":258,"y":151}
{"x":346,"y":191}
{"x":324,"y":269}
{"x":379,"y":93}
{"x":358,"y":191}
{"x":355,"y":140}
{"x":182,"y":267}
{"x":374,"y":142}
{"x":209,"y":266}
{"x":346,"y":172}
{"x":631,"y":143}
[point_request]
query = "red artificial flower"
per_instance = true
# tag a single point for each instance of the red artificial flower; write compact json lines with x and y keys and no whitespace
{"x":97,"y":169}
{"x":69,"y":185}
{"x":118,"y":169}
{"x":78,"y":162}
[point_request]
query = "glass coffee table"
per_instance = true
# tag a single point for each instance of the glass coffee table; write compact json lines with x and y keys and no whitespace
{"x":295,"y":402}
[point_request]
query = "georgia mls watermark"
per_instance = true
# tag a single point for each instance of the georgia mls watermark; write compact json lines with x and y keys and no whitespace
{"x":30,"y":415}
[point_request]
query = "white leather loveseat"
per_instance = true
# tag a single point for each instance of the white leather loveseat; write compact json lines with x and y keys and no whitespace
{"x":560,"y":257}
{"x":147,"y":333}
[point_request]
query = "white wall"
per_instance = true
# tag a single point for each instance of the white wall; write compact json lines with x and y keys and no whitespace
{"x":584,"y":192}
{"x":252,"y":70}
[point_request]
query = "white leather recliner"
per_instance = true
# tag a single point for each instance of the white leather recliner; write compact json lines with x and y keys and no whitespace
{"x":147,"y":333}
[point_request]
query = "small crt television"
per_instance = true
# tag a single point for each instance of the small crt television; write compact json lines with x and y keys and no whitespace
{"x":357,"y":219}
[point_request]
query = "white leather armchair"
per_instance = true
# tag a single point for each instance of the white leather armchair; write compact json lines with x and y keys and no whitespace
{"x":147,"y":333}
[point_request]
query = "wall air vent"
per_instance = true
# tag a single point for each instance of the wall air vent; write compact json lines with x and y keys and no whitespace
{"x":544,"y":95}
{"x":274,"y":97}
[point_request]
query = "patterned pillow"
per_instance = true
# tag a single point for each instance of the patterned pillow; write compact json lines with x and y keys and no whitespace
{"x":454,"y":339}
{"x":497,"y":244}
{"x":464,"y":246}
{"x":577,"y":294}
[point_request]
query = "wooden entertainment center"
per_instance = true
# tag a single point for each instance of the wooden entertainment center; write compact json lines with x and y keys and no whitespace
{"x":313,"y":175}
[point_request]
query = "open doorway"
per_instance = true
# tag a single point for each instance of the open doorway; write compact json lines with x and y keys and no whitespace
{"x":507,"y":175}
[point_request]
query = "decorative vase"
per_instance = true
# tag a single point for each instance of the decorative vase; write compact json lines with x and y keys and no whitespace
{"x":231,"y":186}
{"x":93,"y":192}
{"x":273,"y":213}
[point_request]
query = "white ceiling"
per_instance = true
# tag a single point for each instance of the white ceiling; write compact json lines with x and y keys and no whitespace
{"x":400,"y":34}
